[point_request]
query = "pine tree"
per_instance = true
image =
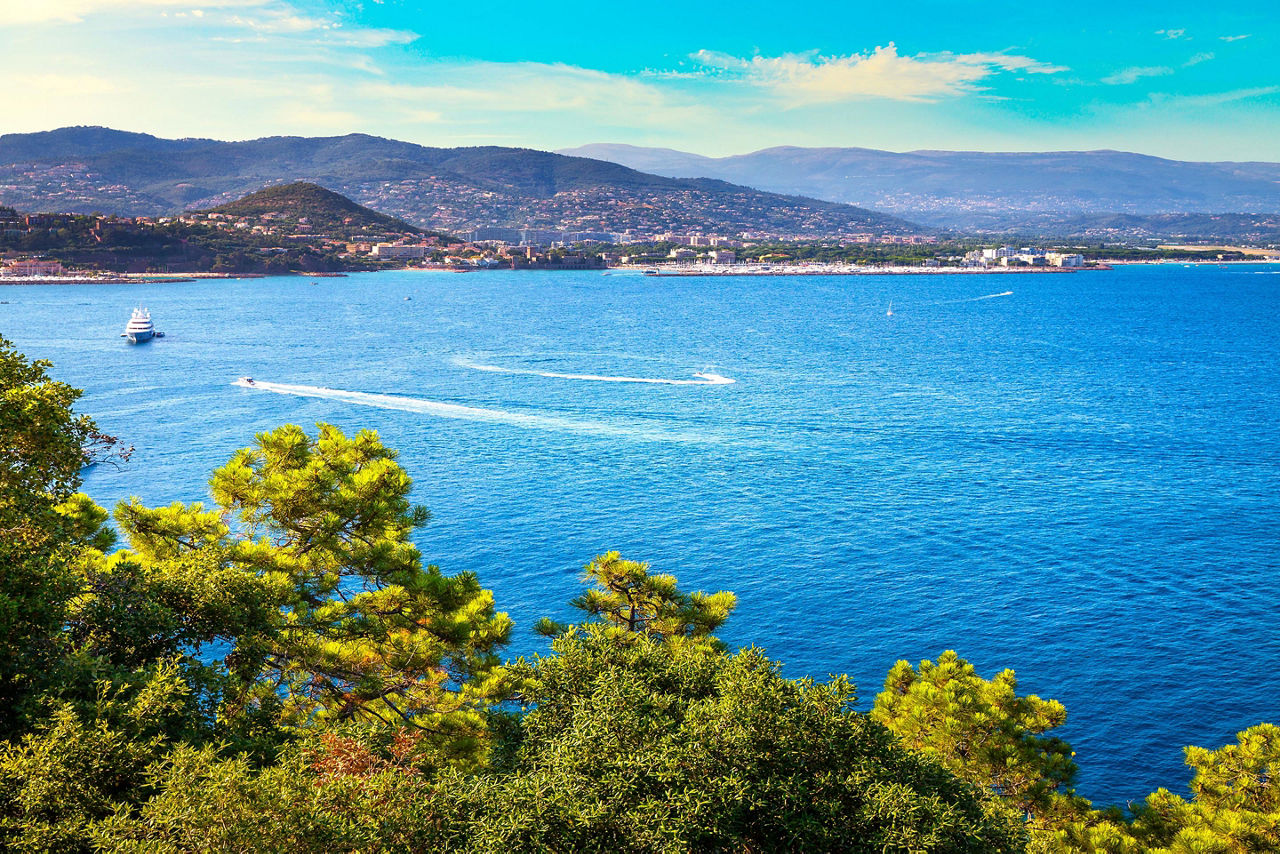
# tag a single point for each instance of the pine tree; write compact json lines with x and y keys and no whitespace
{"x":362,"y":631}
{"x":630,"y":599}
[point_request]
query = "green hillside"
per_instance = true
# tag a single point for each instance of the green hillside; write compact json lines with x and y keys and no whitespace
{"x":448,"y":189}
{"x":323,"y":210}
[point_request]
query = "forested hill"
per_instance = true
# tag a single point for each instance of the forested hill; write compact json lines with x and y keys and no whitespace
{"x":310,"y":204}
{"x":450,"y":189}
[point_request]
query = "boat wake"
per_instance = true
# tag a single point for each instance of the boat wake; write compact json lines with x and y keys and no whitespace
{"x":703,"y":377}
{"x":972,"y":299}
{"x":612,"y":429}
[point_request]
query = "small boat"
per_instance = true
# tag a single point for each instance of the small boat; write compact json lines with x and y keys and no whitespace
{"x":140,"y":330}
{"x":245,"y":381}
{"x":889,"y":313}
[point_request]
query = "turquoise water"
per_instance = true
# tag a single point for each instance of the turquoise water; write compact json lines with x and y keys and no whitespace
{"x":1077,"y":480}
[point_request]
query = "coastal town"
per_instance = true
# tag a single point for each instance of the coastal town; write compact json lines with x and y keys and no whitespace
{"x":304,"y":228}
{"x":485,"y":248}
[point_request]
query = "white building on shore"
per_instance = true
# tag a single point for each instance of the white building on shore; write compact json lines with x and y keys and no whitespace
{"x":399,"y":251}
{"x":24,"y":267}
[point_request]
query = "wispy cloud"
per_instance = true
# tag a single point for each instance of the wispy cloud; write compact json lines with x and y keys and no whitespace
{"x":1132,"y":75}
{"x":1198,"y":58}
{"x":1173,"y":34}
{"x":1234,"y":38}
{"x":1214,"y":99}
{"x":554,"y":89}
{"x":26,"y":12}
{"x":882,"y":73}
{"x":284,"y":21}
{"x":262,"y":19}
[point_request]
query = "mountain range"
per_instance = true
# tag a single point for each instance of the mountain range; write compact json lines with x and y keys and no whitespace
{"x":86,"y":169}
{"x":1038,"y":192}
{"x":788,"y":191}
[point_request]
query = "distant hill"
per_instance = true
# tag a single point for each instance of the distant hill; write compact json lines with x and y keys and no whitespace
{"x":979,"y":190}
{"x":323,"y":210}
{"x":1111,"y":227}
{"x":450,"y":189}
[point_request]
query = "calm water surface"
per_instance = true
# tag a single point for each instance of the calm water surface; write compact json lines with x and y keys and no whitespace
{"x":1077,"y":480}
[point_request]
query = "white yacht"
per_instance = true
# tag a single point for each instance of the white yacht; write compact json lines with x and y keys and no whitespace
{"x":140,"y":329}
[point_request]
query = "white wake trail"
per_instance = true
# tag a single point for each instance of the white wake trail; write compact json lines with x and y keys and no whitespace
{"x":972,"y":299}
{"x":704,"y":377}
{"x":474,"y":413}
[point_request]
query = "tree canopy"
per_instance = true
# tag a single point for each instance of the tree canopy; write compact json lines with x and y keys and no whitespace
{"x":628,"y":599}
{"x":283,"y":673}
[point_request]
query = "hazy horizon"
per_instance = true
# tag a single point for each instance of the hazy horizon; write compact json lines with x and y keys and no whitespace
{"x":571,"y":150}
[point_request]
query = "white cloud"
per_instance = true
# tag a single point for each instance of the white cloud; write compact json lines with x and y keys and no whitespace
{"x":881,"y":73}
{"x":20,"y":12}
{"x":555,"y":89}
{"x":1131,"y":75}
{"x":371,"y":37}
{"x":262,"y":18}
{"x":1173,"y":34}
{"x":280,"y":21}
{"x":1234,"y":38}
{"x":1214,"y":99}
{"x":1011,"y":62}
{"x":1198,"y":58}
{"x":284,"y":21}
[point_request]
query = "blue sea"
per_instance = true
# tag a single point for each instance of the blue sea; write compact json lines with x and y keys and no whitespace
{"x":1074,"y":476}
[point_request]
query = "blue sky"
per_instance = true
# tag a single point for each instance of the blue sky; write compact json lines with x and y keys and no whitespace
{"x":1177,"y":79}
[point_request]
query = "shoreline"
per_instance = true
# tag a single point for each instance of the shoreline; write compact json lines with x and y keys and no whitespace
{"x":850,"y":270}
{"x":94,"y":280}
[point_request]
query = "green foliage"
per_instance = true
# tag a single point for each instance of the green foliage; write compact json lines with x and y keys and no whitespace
{"x":331,"y":793}
{"x":980,"y":729}
{"x":629,"y":744}
{"x":629,"y":599}
{"x":43,"y":447}
{"x":644,"y":745}
{"x":118,"y":245}
{"x":323,"y":209}
{"x":1235,"y":805}
{"x":1234,"y":808}
{"x":358,"y":628}
{"x":81,"y":765}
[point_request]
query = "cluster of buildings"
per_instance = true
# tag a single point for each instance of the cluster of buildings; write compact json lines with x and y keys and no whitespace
{"x":1026,"y":256}
{"x":66,"y":186}
{"x":611,"y":214}
{"x":715,"y":256}
{"x":893,"y":239}
{"x":30,"y":267}
{"x":466,"y":256}
{"x":542,"y":236}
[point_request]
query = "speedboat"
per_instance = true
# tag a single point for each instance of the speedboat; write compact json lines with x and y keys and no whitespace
{"x":139,"y":330}
{"x":245,"y":380}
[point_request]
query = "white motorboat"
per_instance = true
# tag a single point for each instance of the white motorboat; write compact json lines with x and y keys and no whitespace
{"x":140,"y":330}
